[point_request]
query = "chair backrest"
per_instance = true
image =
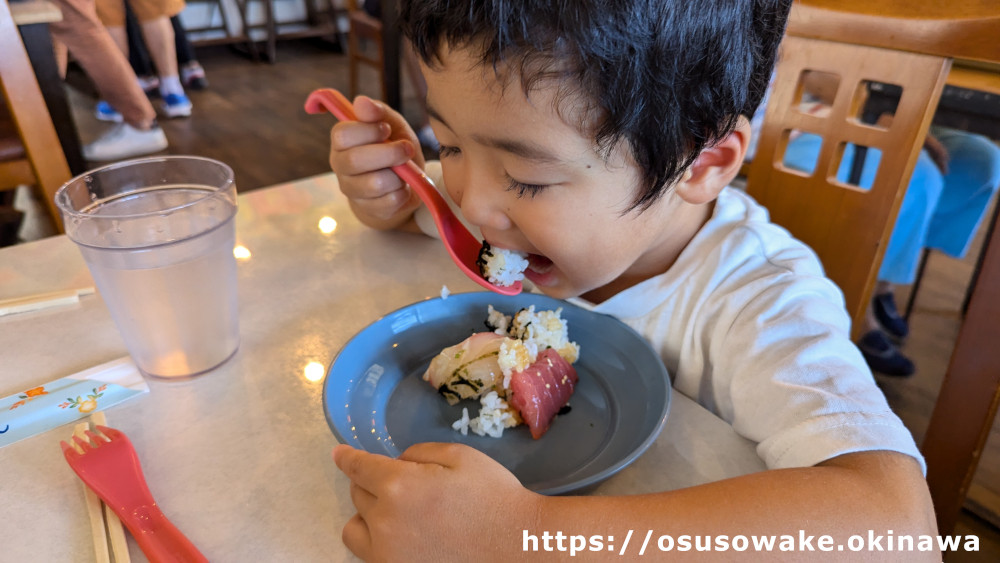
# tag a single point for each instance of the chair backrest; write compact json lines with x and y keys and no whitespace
{"x":910,"y":45}
{"x":20,"y":91}
{"x":846,"y":225}
{"x":364,"y":26}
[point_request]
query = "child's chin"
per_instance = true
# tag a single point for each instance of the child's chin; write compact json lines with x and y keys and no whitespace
{"x":551,"y":285}
{"x":558,"y":292}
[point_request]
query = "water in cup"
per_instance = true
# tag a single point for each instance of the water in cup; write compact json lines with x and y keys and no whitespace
{"x":162,"y":258}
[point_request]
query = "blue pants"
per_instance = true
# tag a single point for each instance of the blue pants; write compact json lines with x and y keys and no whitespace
{"x":939,"y":211}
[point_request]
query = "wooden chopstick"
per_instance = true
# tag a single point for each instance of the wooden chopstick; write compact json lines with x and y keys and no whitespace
{"x":95,"y":510}
{"x":116,"y":532}
{"x":42,"y":301}
{"x":106,"y":525}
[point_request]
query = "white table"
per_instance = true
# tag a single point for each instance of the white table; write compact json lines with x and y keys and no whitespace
{"x":239,"y":458}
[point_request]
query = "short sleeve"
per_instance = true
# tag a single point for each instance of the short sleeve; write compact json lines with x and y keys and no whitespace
{"x":798,"y":386}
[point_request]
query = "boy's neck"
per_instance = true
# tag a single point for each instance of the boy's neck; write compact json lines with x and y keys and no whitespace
{"x":660,"y":258}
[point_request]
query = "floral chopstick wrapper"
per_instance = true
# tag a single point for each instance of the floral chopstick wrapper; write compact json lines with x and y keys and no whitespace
{"x":68,"y":399}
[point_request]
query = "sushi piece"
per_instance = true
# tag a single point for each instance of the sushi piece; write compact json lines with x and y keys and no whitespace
{"x":520,"y":372}
{"x":469,"y":369}
{"x":501,"y":266}
{"x":540,"y":391}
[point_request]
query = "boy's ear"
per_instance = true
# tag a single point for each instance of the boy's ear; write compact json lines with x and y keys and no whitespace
{"x":715,"y":167}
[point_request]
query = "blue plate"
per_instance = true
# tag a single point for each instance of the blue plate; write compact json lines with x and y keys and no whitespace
{"x":375,"y":398}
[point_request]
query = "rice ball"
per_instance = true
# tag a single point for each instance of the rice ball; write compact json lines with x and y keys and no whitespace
{"x":500,"y":266}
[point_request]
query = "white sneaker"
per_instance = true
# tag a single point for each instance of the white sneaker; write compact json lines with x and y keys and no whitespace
{"x":123,"y":141}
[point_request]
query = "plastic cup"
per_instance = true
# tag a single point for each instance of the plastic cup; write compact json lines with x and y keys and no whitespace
{"x":157,"y":235}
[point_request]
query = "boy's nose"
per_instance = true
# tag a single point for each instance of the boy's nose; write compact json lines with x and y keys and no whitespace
{"x":483,"y":205}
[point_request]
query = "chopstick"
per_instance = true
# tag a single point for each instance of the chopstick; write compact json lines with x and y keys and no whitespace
{"x":104,"y":524}
{"x":94,"y":508}
{"x":42,"y":301}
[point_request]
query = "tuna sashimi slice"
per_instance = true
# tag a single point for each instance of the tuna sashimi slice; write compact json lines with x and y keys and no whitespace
{"x":541,"y":389}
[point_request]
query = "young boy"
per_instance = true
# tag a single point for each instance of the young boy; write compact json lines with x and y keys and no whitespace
{"x":599,"y":137}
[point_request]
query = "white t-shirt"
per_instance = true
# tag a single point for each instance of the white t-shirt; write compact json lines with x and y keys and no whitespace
{"x":750,"y":328}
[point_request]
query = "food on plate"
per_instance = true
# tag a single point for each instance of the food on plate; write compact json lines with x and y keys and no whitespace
{"x":520,"y":372}
{"x":467,"y":370}
{"x":501,"y":266}
{"x":540,"y":391}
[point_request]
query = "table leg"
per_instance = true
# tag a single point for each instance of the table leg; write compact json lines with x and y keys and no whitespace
{"x":969,"y":396}
{"x":38,"y":44}
{"x":982,"y":254}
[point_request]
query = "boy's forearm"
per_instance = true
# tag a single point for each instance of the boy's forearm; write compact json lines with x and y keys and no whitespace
{"x":882,"y":492}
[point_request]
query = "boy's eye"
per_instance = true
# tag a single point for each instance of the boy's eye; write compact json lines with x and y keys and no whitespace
{"x":523,"y":189}
{"x":445,"y":151}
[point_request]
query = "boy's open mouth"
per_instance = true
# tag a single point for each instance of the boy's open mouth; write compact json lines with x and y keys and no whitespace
{"x":540,"y":270}
{"x":539,"y":264}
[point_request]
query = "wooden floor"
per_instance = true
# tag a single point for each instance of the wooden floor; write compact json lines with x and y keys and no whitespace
{"x":251,"y":117}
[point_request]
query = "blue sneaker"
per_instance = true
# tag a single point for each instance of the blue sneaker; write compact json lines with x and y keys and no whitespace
{"x":104,"y":112}
{"x":176,"y":105}
{"x":883,"y":356}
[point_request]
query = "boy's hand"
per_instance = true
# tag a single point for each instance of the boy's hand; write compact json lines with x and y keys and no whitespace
{"x":437,"y":502}
{"x":362,"y":162}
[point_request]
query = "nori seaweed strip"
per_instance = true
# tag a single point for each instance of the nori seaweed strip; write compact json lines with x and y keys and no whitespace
{"x":486,"y":250}
{"x":457,"y":379}
{"x":444,"y":391}
{"x":473,"y":384}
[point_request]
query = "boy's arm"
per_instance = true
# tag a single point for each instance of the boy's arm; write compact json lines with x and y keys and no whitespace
{"x":447,"y":501}
{"x":881,"y":492}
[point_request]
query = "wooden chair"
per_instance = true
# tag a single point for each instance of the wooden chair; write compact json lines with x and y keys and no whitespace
{"x":364,"y":27}
{"x":912,"y":46}
{"x":34,"y":155}
{"x":211,"y":33}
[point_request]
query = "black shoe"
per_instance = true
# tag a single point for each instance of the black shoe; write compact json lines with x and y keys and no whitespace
{"x":883,"y":356}
{"x":884,"y":307}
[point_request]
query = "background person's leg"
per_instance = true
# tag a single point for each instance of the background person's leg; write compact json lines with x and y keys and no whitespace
{"x":909,"y":235}
{"x":96,"y":52}
{"x":159,"y":36}
{"x":111,"y":14}
{"x":192,"y":75}
{"x":102,"y":60}
{"x":158,"y":33}
{"x":972,"y":179}
{"x":185,"y":52}
{"x":138,"y":55}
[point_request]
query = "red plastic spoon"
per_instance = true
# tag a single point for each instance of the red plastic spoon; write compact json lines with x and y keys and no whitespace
{"x":461,"y":244}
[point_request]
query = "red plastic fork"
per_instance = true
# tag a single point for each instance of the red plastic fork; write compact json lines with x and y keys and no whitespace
{"x":461,"y":244}
{"x":110,"y":466}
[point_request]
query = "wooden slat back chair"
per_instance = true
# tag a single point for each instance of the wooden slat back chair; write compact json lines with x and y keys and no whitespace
{"x":887,"y":41}
{"x":364,"y":27}
{"x":40,"y":153}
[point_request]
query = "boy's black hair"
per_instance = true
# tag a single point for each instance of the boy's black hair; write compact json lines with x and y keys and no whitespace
{"x":670,"y":77}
